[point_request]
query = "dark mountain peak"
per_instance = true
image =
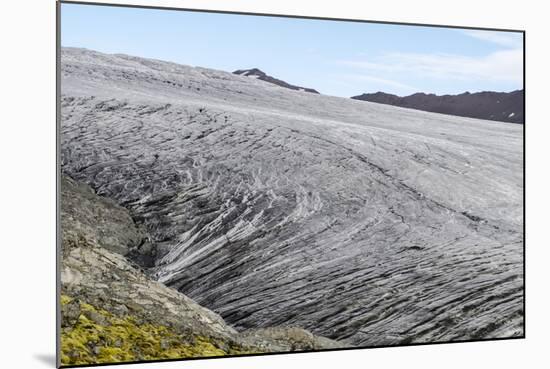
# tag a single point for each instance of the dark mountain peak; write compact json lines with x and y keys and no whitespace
{"x":490,"y":105}
{"x":259,"y":74}
{"x":250,"y":72}
{"x":380,"y":93}
{"x":379,"y":97}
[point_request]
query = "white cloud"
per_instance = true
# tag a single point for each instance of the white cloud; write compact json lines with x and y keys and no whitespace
{"x":506,"y":39}
{"x":499,"y":66}
{"x":384,"y":81}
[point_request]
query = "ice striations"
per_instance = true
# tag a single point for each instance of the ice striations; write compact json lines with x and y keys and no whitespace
{"x":358,"y":221}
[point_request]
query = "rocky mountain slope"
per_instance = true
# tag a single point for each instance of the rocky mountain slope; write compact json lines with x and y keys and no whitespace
{"x":258,"y":74}
{"x":358,"y":221}
{"x":499,"y":106}
{"x":112,"y":311}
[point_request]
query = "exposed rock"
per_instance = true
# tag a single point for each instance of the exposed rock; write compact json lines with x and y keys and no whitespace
{"x":96,"y":318}
{"x":70,"y":312}
{"x":288,"y":339}
{"x":84,"y":214}
{"x":258,"y":74}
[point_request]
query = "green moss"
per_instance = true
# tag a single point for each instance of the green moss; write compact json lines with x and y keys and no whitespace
{"x":100,"y":337}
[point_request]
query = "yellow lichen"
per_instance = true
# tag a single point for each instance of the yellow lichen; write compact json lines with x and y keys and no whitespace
{"x":65,"y":299}
{"x":123,"y":339}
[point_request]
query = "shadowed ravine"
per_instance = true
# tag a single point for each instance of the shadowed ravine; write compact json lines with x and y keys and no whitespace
{"x":272,"y":207}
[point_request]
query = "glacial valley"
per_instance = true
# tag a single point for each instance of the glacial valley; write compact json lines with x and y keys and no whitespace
{"x":361,"y":222}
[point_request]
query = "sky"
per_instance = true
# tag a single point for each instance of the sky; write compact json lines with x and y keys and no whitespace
{"x":334,"y":57}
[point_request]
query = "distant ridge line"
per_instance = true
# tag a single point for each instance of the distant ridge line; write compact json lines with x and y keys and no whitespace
{"x":489,"y":105}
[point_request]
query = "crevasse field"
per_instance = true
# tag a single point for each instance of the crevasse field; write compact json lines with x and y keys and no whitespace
{"x":365,"y":223}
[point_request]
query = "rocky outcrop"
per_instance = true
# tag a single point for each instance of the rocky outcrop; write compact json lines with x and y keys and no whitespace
{"x":88,"y":216}
{"x":112,"y":311}
{"x":360,"y":222}
{"x":258,"y":74}
{"x":490,"y":105}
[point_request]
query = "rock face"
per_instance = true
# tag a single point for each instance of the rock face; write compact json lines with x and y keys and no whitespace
{"x":500,"y":106}
{"x":86,"y":215}
{"x":361,"y":222}
{"x":258,"y":74}
{"x":110,"y":307}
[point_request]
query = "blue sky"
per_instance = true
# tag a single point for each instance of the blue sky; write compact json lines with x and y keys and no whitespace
{"x":336,"y":58}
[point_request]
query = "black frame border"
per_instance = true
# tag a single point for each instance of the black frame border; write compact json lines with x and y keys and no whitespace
{"x":58,"y":175}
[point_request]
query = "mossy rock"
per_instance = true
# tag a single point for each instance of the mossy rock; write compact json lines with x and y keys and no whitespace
{"x":108,"y":339}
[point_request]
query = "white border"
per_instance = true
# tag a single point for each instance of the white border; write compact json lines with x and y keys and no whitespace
{"x":27,"y":310}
